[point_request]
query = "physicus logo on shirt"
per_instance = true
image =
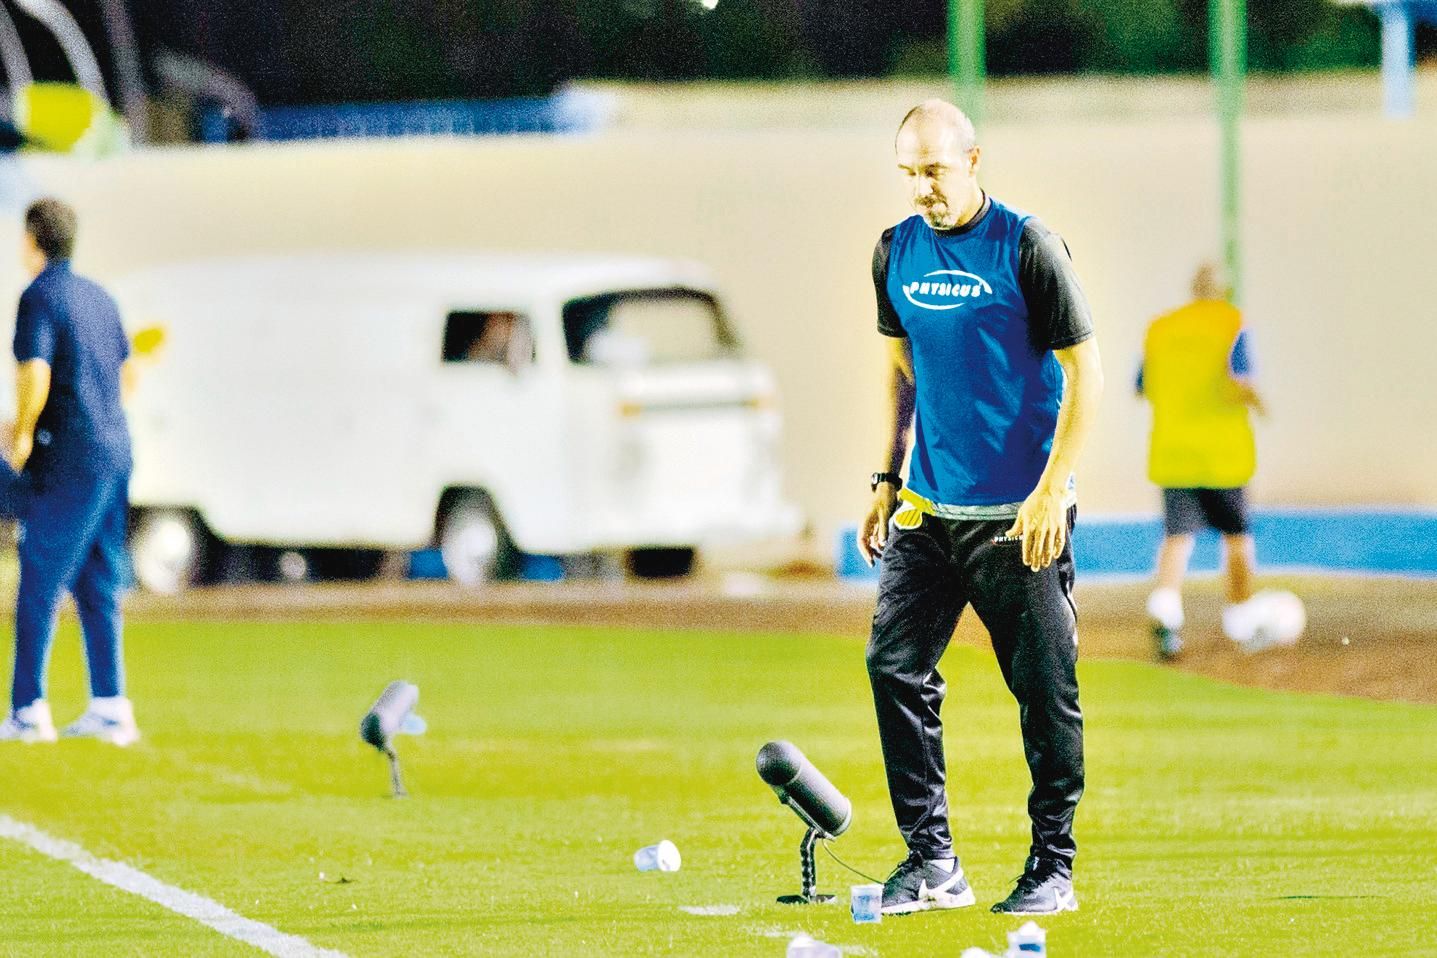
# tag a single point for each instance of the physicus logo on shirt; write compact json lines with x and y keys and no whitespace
{"x":946,"y":289}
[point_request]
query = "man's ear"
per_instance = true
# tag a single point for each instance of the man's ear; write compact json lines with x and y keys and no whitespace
{"x":974,"y":160}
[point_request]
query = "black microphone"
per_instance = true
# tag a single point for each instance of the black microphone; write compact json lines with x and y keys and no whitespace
{"x":803,"y":788}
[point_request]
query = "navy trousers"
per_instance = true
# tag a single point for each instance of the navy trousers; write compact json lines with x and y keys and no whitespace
{"x":72,"y":538}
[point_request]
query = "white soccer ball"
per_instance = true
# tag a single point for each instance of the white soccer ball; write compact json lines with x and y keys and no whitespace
{"x":1280,"y":618}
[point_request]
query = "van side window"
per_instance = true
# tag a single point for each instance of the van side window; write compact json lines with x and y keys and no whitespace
{"x":497,"y":338}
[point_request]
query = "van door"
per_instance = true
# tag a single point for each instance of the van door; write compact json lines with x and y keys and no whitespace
{"x":494,"y":424}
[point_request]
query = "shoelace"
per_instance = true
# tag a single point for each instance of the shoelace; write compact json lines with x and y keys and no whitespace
{"x":902,"y":865}
{"x":1033,"y":878}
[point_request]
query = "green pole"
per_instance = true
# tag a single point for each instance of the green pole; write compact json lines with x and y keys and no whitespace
{"x":967,"y":65}
{"x":1227,"y":47}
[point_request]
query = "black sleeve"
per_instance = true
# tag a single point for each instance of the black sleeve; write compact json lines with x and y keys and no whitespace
{"x":888,"y":322}
{"x":1058,"y":314}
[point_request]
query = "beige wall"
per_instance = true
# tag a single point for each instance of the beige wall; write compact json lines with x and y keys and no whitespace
{"x":1341,"y":234}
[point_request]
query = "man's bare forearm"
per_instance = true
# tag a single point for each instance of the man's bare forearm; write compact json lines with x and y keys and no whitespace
{"x":32,"y":391}
{"x":901,"y":393}
{"x":1082,"y":367}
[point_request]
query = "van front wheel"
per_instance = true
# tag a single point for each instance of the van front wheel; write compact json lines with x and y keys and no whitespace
{"x":167,"y":549}
{"x":472,"y":541}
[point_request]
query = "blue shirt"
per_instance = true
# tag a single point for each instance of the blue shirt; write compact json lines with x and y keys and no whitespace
{"x":74,"y":326}
{"x":983,"y":307}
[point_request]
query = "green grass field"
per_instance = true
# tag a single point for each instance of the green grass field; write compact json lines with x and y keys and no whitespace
{"x":1218,"y":820}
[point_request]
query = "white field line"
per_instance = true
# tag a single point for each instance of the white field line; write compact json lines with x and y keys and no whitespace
{"x":710,"y":911}
{"x":271,"y":941}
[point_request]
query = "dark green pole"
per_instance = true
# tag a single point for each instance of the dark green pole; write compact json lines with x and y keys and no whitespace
{"x":967,"y":64}
{"x":1227,"y":46}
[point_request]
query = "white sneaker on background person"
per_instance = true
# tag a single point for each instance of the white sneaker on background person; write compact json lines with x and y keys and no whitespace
{"x":1242,"y":622}
{"x":109,"y":720}
{"x":29,"y":724}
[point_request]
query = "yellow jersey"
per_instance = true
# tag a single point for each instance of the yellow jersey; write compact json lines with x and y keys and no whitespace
{"x":1202,"y":436}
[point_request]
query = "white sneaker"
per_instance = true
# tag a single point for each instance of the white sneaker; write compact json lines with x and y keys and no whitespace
{"x":109,"y":720}
{"x":29,"y":724}
{"x":1242,"y":623}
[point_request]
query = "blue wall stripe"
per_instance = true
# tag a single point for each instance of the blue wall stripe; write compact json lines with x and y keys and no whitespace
{"x":562,"y":113}
{"x":429,"y":564}
{"x":1390,"y":542}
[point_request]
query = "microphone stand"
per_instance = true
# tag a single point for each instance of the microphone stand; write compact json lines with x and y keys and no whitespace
{"x":807,"y":860}
{"x":394,"y":778}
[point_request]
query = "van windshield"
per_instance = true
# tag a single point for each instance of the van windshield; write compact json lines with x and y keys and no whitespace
{"x":649,"y":326}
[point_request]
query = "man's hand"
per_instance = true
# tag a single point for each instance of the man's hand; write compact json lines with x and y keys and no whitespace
{"x":873,"y":531}
{"x":22,"y":443}
{"x":1248,"y":395}
{"x":32,"y":391}
{"x":1043,"y":525}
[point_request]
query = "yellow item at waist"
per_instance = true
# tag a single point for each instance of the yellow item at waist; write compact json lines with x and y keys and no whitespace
{"x":913,"y":507}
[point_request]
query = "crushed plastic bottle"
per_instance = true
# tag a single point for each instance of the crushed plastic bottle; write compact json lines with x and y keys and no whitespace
{"x":802,"y":946}
{"x":1030,"y":941}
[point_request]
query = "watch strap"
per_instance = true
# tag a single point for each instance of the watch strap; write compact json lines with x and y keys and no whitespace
{"x":892,"y":478}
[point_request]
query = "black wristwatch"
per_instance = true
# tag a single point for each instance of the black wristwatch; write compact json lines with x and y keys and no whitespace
{"x":890,"y":477}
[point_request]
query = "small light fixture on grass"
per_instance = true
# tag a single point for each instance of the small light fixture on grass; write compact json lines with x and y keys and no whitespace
{"x":392,"y":714}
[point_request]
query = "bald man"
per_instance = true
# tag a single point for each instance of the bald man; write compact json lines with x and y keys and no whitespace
{"x":993,"y":361}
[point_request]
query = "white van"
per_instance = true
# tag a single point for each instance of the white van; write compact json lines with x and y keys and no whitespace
{"x":484,"y":403}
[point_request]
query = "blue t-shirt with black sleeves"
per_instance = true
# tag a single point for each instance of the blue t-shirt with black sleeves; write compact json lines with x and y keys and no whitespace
{"x":74,"y":326}
{"x":983,"y":307}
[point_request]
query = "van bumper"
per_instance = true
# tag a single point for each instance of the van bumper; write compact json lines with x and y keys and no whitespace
{"x":674,"y":528}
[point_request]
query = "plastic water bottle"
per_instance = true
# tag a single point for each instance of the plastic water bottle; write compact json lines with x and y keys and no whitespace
{"x":1030,"y":941}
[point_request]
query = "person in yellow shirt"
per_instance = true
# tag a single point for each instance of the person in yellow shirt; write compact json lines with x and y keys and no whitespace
{"x":1196,"y":373}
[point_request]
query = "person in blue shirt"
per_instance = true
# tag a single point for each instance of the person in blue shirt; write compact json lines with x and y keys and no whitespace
{"x":990,"y":341}
{"x":71,"y":448}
